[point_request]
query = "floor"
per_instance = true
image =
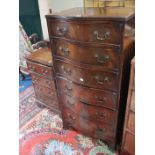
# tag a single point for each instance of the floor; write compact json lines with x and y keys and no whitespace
{"x":23,"y":84}
{"x":41,"y":131}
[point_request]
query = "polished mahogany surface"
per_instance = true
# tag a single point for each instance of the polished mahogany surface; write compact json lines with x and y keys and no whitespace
{"x":40,"y":66}
{"x":101,"y":57}
{"x":40,"y":69}
{"x":42,"y":81}
{"x":42,"y":56}
{"x":88,"y":111}
{"x":92,"y":31}
{"x":91,"y":55}
{"x":90,"y":78}
{"x":90,"y":96}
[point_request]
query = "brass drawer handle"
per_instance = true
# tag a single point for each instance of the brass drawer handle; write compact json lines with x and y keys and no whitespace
{"x":44,"y":71}
{"x":101,"y":129}
{"x":69,"y":89}
{"x":114,"y":93}
{"x":66,"y":70}
{"x":32,"y":67}
{"x":62,"y":30}
{"x":102,"y":59}
{"x":100,"y":132}
{"x":70,"y":103}
{"x":82,"y":100}
{"x":71,"y":117}
{"x":102,"y":79}
{"x":106,"y":35}
{"x":99,"y":114}
{"x":65,"y":51}
{"x":101,"y":100}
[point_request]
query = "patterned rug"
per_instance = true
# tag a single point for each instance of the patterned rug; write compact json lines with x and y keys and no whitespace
{"x":24,"y":84}
{"x":41,"y":132}
{"x":43,"y":135}
{"x":27,"y":107}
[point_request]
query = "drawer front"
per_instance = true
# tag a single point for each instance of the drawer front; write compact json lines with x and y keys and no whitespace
{"x":87,"y":127}
{"x":40,"y":69}
{"x":87,"y":111}
{"x":91,"y":78}
{"x":131,"y":122}
{"x":50,"y":102}
{"x":42,"y":81}
{"x":99,"y":56}
{"x":87,"y":31}
{"x":45,"y":91}
{"x":87,"y":95}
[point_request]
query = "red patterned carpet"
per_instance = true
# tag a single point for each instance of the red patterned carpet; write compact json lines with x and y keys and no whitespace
{"x":43,"y":135}
{"x":27,"y":107}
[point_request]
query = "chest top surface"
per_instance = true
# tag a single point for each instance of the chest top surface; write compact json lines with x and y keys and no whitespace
{"x":111,"y":13}
{"x":42,"y":56}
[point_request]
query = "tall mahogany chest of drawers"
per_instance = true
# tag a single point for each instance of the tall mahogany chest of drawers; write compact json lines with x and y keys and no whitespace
{"x":40,"y":66}
{"x":90,"y":58}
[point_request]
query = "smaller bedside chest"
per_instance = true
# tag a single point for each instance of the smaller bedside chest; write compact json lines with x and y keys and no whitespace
{"x":40,"y":66}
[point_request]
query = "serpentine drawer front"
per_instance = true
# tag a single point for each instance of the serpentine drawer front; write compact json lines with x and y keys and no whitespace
{"x":99,"y":56}
{"x":95,"y":128}
{"x":88,"y":111}
{"x":87,"y":31}
{"x":91,"y":53}
{"x":90,"y":78}
{"x":90,"y":96}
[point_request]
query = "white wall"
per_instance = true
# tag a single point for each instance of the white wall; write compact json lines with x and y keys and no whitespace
{"x":58,"y":5}
{"x":55,"y":5}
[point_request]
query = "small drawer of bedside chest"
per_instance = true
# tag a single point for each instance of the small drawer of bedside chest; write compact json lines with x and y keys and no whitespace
{"x":46,"y":91}
{"x":40,"y":69}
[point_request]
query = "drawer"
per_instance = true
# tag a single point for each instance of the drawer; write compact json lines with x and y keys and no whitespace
{"x":40,"y":69}
{"x":131,"y":122}
{"x":45,"y":91}
{"x":87,"y":127}
{"x":105,"y":32}
{"x":87,"y":111}
{"x":90,"y":96}
{"x":101,"y":57}
{"x":91,"y":78}
{"x":42,"y":81}
{"x":50,"y":102}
